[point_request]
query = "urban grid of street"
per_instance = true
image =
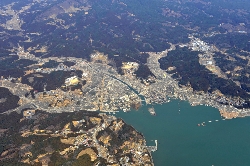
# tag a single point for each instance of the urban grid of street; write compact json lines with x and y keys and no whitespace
{"x":108,"y":91}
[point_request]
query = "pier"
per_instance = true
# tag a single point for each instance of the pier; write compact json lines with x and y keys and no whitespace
{"x":152,"y":148}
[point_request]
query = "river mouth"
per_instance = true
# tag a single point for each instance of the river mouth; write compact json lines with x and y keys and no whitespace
{"x":182,"y":142}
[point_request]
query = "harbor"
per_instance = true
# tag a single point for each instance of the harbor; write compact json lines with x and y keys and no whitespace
{"x":180,"y":140}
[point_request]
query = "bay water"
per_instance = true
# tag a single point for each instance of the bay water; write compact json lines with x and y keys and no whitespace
{"x":181,"y":142}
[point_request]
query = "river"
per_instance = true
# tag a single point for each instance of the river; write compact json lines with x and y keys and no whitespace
{"x":181,"y":142}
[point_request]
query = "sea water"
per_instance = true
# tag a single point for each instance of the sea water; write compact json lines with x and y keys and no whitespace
{"x":181,"y":142}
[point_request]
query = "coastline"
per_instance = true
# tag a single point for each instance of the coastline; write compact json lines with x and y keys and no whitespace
{"x":180,"y":138}
{"x":135,"y":91}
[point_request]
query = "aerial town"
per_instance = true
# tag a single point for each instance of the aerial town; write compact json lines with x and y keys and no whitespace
{"x":97,"y":88}
{"x":101,"y":88}
{"x":70,"y":68}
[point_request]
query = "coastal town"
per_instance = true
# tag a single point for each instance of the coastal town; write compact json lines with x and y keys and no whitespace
{"x":104,"y":89}
{"x":75,"y":75}
{"x":100,"y":86}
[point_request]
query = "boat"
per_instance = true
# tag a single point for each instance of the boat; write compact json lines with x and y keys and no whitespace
{"x":152,"y":111}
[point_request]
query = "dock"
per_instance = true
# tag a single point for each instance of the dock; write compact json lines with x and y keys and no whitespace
{"x":152,"y":148}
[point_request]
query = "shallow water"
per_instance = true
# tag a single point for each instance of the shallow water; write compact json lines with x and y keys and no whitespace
{"x":181,"y":142}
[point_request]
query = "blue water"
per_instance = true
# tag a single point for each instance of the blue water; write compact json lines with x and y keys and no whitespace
{"x":182,"y":143}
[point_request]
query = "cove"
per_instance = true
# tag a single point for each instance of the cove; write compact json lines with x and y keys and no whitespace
{"x":181,"y":142}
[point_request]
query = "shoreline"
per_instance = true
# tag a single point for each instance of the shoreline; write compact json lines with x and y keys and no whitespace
{"x":135,"y":91}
